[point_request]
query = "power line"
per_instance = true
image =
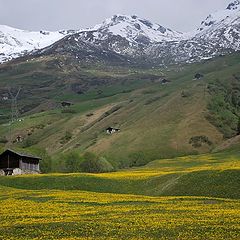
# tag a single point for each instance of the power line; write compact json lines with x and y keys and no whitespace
{"x":14,"y":109}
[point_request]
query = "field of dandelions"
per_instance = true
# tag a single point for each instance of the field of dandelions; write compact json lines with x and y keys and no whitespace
{"x":67,"y":214}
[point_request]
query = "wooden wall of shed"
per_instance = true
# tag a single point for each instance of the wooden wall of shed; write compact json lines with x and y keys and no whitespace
{"x":12,"y":161}
{"x":9,"y":160}
{"x":29,"y":164}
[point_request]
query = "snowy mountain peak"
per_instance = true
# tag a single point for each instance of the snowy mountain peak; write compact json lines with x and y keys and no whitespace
{"x":222,"y":17}
{"x":132,"y":28}
{"x":15,"y":42}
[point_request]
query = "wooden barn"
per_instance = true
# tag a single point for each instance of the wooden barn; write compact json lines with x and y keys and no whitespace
{"x":15,"y":163}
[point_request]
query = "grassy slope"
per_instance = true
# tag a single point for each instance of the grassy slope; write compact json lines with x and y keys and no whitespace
{"x":215,"y":175}
{"x":155,"y":120}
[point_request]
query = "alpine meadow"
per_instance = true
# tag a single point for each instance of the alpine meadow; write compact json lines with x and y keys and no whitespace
{"x":126,"y":130}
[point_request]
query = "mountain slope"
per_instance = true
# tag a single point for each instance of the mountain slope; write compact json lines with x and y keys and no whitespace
{"x":161,"y":112}
{"x":83,"y":52}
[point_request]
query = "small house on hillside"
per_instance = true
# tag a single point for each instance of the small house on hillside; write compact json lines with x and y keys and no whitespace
{"x":5,"y":98}
{"x":165,"y":81}
{"x":19,"y":139}
{"x":66,"y":104}
{"x":111,"y":130}
{"x":15,"y":163}
{"x":198,"y":76}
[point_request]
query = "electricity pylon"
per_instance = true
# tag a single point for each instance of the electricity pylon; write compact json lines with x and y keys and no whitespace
{"x":14,"y":105}
{"x":14,"y":110}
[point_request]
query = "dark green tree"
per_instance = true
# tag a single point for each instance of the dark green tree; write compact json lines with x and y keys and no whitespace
{"x":73,"y":162}
{"x":93,"y":164}
{"x":238,"y":126}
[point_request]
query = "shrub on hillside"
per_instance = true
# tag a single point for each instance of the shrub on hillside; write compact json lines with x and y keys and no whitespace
{"x":93,"y":164}
{"x":30,"y":141}
{"x":137,"y":159}
{"x":66,"y":138}
{"x":73,"y":162}
{"x":224,"y":106}
{"x":71,"y":111}
{"x":238,"y":127}
{"x":40,"y":126}
{"x":46,"y":164}
{"x":198,"y":141}
{"x":185,"y":94}
{"x":67,"y":162}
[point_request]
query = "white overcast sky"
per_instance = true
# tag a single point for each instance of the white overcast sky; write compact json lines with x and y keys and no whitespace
{"x":181,"y":15}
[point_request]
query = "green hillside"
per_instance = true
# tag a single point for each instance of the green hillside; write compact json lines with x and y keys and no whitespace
{"x":190,"y":126}
{"x":183,"y":116}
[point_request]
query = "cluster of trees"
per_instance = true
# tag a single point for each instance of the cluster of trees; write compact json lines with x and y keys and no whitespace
{"x":224,"y":107}
{"x":73,"y":162}
{"x":198,"y":141}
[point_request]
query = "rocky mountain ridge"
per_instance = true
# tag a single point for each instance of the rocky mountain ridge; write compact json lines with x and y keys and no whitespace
{"x":133,"y":38}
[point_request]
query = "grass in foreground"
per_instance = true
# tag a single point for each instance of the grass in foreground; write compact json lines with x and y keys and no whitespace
{"x":204,"y":203}
{"x":84,"y":215}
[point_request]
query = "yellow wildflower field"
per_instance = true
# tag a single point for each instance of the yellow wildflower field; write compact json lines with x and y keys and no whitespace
{"x":188,"y":198}
{"x":44,"y":214}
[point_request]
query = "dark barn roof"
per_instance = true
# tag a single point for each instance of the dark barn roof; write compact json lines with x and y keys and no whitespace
{"x":20,"y":154}
{"x":111,"y":128}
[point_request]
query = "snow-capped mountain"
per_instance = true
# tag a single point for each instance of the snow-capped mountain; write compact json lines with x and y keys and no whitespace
{"x":133,"y":38}
{"x":223,"y":27}
{"x":221,"y":17}
{"x":127,"y":35}
{"x":144,"y":41}
{"x":134,"y":29}
{"x":15,"y":42}
{"x":218,"y":34}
